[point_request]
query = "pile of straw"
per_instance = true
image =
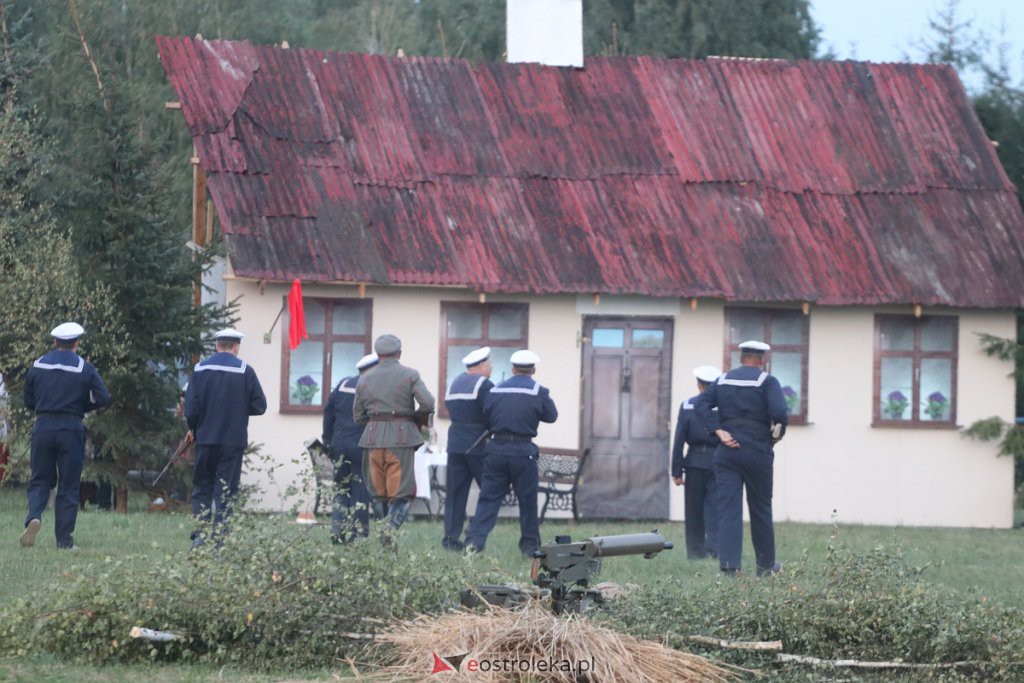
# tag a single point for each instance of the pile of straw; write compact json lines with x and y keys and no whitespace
{"x":535,"y":634}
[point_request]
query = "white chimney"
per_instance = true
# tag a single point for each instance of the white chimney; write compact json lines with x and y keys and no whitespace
{"x":545,"y":31}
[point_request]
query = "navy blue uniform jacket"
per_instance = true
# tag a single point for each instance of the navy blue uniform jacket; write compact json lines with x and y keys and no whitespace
{"x":516,"y":407}
{"x":222,"y":395}
{"x":690,"y":429}
{"x":749,"y":401}
{"x":341,"y":433}
{"x":61,"y":387}
{"x":465,"y":404}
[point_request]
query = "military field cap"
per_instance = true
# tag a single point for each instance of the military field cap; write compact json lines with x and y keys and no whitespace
{"x":67,"y":331}
{"x":754,"y":347}
{"x":367,"y":361}
{"x":387,"y":344}
{"x":477,"y":356}
{"x":229,"y":334}
{"x":524,"y":359}
{"x":707,"y":373}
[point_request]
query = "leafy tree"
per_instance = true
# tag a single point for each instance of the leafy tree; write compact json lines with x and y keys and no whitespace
{"x":39,"y":277}
{"x":700,"y":28}
{"x":1000,"y":108}
{"x":112,"y":204}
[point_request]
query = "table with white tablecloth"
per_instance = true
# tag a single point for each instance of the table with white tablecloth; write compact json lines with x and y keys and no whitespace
{"x":427,"y":456}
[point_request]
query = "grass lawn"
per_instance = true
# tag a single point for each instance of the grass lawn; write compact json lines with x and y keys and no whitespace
{"x":974,"y":562}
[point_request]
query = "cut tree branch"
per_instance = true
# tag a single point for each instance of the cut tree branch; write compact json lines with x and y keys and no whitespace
{"x":737,"y":644}
{"x":853,"y":663}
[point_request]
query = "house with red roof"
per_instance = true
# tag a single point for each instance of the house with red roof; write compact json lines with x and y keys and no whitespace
{"x":628,"y":220}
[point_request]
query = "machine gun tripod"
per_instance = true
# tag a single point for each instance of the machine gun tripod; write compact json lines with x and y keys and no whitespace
{"x":565,"y":571}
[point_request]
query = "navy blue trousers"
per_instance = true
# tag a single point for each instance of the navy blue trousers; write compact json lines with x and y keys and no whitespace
{"x":499,"y":472}
{"x":460,"y":473}
{"x":215,"y":477}
{"x":736,"y":468}
{"x":56,"y":460}
{"x":701,"y":511}
{"x":350,"y":512}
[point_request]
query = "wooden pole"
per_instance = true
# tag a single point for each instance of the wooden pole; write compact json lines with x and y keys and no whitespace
{"x":199,"y":215}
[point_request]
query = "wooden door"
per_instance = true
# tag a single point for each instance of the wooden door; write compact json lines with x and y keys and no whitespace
{"x":627,"y":365}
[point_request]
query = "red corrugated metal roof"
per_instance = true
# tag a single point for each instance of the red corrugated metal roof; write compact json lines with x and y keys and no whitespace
{"x":832,"y":182}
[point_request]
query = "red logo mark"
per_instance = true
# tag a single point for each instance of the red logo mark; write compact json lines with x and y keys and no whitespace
{"x":449,"y":663}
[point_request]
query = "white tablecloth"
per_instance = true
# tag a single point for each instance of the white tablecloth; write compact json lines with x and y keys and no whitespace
{"x":428,"y":455}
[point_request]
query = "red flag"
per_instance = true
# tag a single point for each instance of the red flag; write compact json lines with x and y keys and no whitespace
{"x":296,"y":316}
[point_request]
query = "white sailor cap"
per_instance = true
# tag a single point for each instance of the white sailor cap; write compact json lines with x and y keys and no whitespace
{"x":67,"y":331}
{"x":228,"y":334}
{"x":477,"y":356}
{"x":707,"y":373}
{"x":754,"y":347}
{"x":367,"y":361}
{"x":524,"y":359}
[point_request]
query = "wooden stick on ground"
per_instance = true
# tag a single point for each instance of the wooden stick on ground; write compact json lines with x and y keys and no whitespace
{"x":736,"y":644}
{"x":853,"y":663}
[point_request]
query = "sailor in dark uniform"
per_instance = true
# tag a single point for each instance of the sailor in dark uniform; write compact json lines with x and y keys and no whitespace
{"x":465,"y":403}
{"x":512,"y":412}
{"x":696,"y":472}
{"x":61,"y":387}
{"x":750,"y":419}
{"x":221,"y":395}
{"x":350,"y":515}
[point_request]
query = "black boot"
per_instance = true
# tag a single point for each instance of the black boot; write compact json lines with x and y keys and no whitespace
{"x":379,"y":508}
{"x":399,"y":511}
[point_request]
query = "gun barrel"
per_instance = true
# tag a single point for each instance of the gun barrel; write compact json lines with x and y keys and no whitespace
{"x":628,"y":544}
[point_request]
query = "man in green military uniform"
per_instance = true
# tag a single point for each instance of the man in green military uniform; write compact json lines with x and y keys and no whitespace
{"x":389,"y":401}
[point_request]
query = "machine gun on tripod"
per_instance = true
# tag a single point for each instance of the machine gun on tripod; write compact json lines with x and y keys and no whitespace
{"x":565,"y":571}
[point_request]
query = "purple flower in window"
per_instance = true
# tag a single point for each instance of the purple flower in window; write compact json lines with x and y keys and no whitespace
{"x":305,"y":390}
{"x":936,"y":405}
{"x":895,"y":404}
{"x":792,"y":398}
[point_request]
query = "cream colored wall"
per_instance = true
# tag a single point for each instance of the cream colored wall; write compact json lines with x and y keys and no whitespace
{"x":414,"y":315}
{"x":841,"y":465}
{"x":837,"y":463}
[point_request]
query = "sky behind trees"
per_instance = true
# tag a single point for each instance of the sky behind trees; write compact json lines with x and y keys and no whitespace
{"x":887,"y":30}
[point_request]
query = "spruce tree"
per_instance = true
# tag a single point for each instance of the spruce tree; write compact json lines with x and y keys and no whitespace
{"x":39,"y":277}
{"x":113,"y":193}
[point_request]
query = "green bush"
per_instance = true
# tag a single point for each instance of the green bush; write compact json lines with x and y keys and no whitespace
{"x":869,"y":607}
{"x":274,"y":595}
{"x":280,"y":596}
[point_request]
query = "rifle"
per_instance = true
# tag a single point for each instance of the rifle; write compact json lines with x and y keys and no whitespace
{"x":480,"y":438}
{"x":185,"y":443}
